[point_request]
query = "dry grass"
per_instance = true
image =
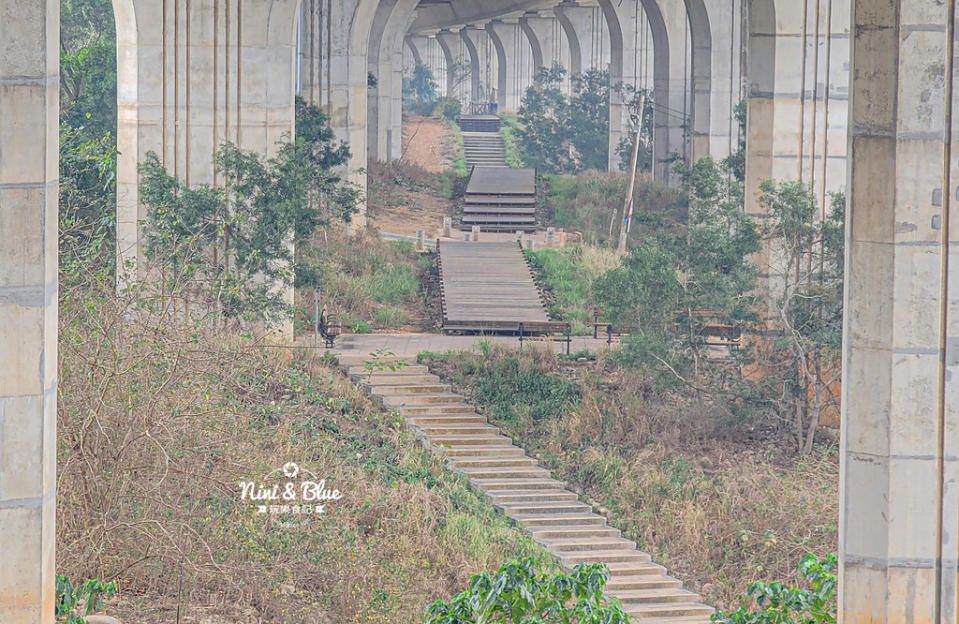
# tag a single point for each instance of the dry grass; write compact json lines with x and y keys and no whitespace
{"x":158,"y":423}
{"x":719,"y":502}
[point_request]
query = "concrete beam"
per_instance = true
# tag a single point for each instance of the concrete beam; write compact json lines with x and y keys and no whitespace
{"x":29,"y":108}
{"x":899,"y":463}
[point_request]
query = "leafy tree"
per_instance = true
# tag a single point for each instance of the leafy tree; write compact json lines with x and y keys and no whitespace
{"x":235,"y":242}
{"x":420,"y":88}
{"x":560,"y":134}
{"x":807,"y":256}
{"x":686,"y":274}
{"x":518,"y":593}
{"x":778,"y":603}
{"x":88,"y":66}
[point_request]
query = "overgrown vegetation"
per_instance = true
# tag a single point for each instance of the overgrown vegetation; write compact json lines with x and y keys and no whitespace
{"x":159,"y":421}
{"x":701,"y":482}
{"x":568,"y":275}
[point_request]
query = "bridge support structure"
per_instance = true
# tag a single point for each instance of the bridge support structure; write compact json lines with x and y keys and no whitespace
{"x":899,"y":471}
{"x":29,"y":152}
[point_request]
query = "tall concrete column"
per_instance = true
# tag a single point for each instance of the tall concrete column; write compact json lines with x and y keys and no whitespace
{"x":899,"y":514}
{"x":637,"y":36}
{"x":678,"y":116}
{"x":479,"y":46}
{"x":458,"y":83}
{"x":190,"y":78}
{"x":394,"y":139}
{"x":587,"y":33}
{"x":516,"y":61}
{"x":726,"y":88}
{"x":700,"y":50}
{"x":548,"y":40}
{"x":29,"y":108}
{"x":342,"y":31}
{"x":389,"y":27}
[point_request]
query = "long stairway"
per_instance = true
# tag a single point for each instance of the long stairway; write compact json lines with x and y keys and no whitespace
{"x":484,"y":149}
{"x":518,"y":486}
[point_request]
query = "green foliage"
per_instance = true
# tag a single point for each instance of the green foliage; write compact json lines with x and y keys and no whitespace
{"x":509,"y":128}
{"x":565,"y":134}
{"x":448,"y":107}
{"x":419,"y":89}
{"x":778,"y":603}
{"x":569,"y":273}
{"x":234,"y":242}
{"x":685,"y":276}
{"x":809,"y":299}
{"x":519,"y":593}
{"x":88,"y":66}
{"x":86,"y":598}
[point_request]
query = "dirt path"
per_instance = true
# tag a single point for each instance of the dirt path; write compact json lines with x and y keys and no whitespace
{"x":427,"y":143}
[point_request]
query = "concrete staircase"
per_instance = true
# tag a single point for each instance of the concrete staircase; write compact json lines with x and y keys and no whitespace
{"x":484,"y":149}
{"x":526,"y":492}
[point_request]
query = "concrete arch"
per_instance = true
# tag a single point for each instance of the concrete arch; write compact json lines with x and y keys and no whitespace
{"x":443,"y":39}
{"x":475,"y":77}
{"x":533,"y":43}
{"x":702,"y":48}
{"x":575,"y":51}
{"x":501,"y":68}
{"x":413,"y":50}
{"x":621,"y":69}
{"x":386,"y":36}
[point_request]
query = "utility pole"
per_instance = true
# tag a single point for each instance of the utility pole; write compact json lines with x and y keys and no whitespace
{"x":628,"y":204}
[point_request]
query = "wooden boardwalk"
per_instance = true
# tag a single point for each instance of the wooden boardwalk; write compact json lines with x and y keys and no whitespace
{"x":488,"y":286}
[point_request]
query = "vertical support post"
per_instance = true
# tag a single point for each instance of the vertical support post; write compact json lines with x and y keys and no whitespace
{"x":316,"y":318}
{"x":550,"y":237}
{"x":447,"y":227}
{"x":420,"y":240}
{"x":476,"y":232}
{"x":29,"y":104}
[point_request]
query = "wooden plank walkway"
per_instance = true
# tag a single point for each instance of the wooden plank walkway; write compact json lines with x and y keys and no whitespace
{"x":518,"y":486}
{"x":488,"y":286}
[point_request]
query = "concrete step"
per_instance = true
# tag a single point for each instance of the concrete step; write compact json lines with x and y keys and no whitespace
{"x":500,"y":497}
{"x":569,"y":532}
{"x":439,"y":409}
{"x":493,"y":463}
{"x":458,"y":429}
{"x":654,"y":596}
{"x":642,"y":582}
{"x":446,"y":419}
{"x":485,"y":473}
{"x":401,"y":367}
{"x":404,"y":389}
{"x":535,"y":522}
{"x":469,"y":440}
{"x":623,"y":569}
{"x":392,"y":379}
{"x":587,"y":545}
{"x":602,"y":556}
{"x":647,"y":611}
{"x":414,"y":400}
{"x":482,"y":450}
{"x":678,"y":619}
{"x":496,"y":485}
{"x":544,"y":509}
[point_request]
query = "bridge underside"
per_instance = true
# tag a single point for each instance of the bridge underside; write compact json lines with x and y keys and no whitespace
{"x":865,"y":105}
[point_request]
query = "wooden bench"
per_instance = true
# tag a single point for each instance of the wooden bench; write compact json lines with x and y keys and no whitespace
{"x":330,"y":327}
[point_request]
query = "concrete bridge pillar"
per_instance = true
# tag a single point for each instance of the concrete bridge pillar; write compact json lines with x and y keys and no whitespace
{"x":29,"y":108}
{"x":514,"y":61}
{"x":798,"y":85}
{"x":726,"y":19}
{"x":899,"y":515}
{"x":548,"y":41}
{"x":637,"y":37}
{"x":458,"y":64}
{"x":679,"y":113}
{"x":478,"y":45}
{"x":390,"y":23}
{"x":587,"y":34}
{"x":190,"y":78}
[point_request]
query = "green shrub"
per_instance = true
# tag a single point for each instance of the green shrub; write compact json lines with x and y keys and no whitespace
{"x":778,"y":603}
{"x":519,"y":593}
{"x":360,"y":327}
{"x":448,"y":108}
